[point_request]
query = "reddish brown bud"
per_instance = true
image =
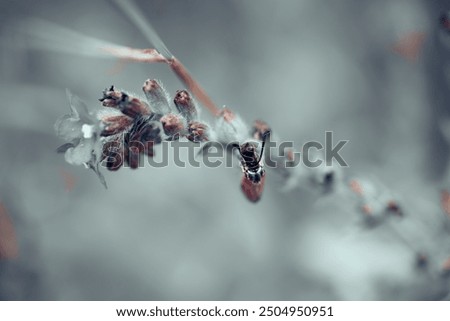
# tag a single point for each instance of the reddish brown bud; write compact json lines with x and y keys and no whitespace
{"x":173,"y":125}
{"x":227,"y":115}
{"x":156,"y":96}
{"x":197,"y":132}
{"x":115,"y":124}
{"x":129,"y":106}
{"x":133,"y":107}
{"x":111,"y":97}
{"x":185,"y":105}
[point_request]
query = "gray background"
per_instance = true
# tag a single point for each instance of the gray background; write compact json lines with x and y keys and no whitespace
{"x":305,"y":67}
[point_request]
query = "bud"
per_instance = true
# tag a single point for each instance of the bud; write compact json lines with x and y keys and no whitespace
{"x":157,"y":97}
{"x":185,"y":105}
{"x":111,"y":97}
{"x":198,"y":132}
{"x":230,"y":127}
{"x":129,"y":106}
{"x":133,"y":107}
{"x":113,"y":125}
{"x":173,"y":125}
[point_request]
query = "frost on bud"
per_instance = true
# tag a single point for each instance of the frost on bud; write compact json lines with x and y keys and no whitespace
{"x":113,"y":125}
{"x":185,"y":105}
{"x":198,"y":132}
{"x":173,"y":125}
{"x":157,"y":97}
{"x":230,"y":127}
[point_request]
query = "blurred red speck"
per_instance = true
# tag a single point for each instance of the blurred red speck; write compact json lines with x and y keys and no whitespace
{"x":9,"y":248}
{"x":356,"y":187}
{"x":367,"y":210}
{"x":409,"y":46}
{"x":290,"y":155}
{"x":445,"y":202}
{"x":393,"y":207}
{"x":446,"y":266}
{"x":69,"y":180}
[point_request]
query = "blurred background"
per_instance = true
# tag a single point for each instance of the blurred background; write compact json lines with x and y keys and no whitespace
{"x":373,"y":72}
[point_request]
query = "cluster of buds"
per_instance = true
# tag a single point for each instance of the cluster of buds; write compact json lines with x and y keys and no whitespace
{"x":375,"y":202}
{"x":128,"y":128}
{"x":140,"y":125}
